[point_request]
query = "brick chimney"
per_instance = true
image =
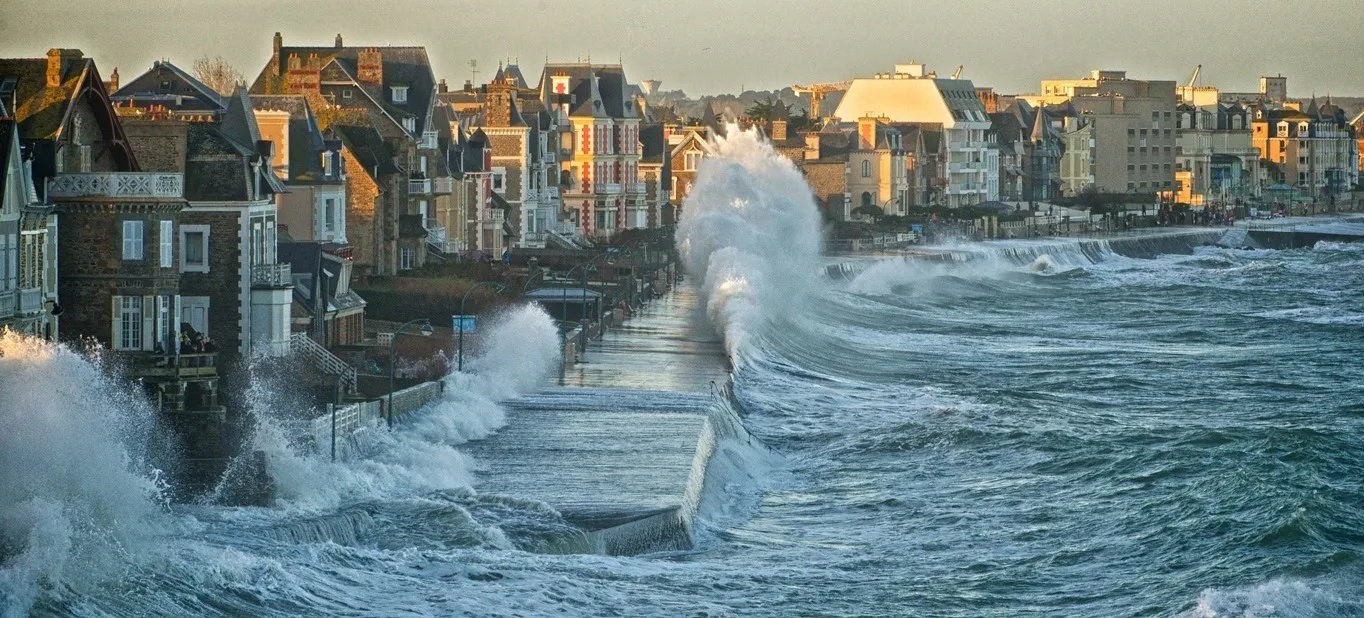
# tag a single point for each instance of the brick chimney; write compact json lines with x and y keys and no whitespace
{"x":370,"y":66}
{"x":811,"y":145}
{"x":499,"y":104}
{"x":338,"y":41}
{"x":279,"y":43}
{"x":441,"y":87}
{"x":112,"y":84}
{"x":866,"y":133}
{"x":58,"y":60}
{"x":778,"y":130}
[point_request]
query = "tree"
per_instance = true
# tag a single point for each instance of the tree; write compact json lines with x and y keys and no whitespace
{"x":762,"y":110}
{"x":218,"y":74}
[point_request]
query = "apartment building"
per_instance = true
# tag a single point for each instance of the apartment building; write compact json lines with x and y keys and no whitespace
{"x":1313,"y":149}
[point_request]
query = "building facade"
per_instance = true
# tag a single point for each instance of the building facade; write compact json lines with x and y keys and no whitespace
{"x":1215,"y":161}
{"x":1313,"y":149}
{"x":911,"y":94}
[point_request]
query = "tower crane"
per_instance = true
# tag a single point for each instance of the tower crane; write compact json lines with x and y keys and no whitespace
{"x":957,"y":73}
{"x":817,"y":92}
{"x":1196,"y":71}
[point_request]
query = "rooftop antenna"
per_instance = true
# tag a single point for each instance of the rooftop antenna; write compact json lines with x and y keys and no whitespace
{"x":473,"y":68}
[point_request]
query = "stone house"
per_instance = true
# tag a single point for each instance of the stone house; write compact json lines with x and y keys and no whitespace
{"x":28,"y":233}
{"x":311,"y":166}
{"x":325,"y":307}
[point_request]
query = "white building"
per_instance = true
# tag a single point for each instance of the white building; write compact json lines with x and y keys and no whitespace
{"x":911,"y":94}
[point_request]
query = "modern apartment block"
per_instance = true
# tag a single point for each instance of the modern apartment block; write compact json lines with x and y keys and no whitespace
{"x":1122,"y":138}
{"x":912,"y":94}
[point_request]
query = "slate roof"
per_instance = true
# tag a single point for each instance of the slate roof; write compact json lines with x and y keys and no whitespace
{"x":365,"y":143}
{"x":596,"y":90}
{"x":304,"y":258}
{"x":7,"y":132}
{"x":407,"y":66}
{"x":147,"y":89}
{"x":306,"y":142}
{"x":40,"y":112}
{"x":653,"y":146}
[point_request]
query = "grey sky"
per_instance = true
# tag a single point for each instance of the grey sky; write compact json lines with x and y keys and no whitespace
{"x":709,"y":46}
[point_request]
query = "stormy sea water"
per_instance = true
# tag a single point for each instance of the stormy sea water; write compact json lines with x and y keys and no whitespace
{"x":1049,"y":428}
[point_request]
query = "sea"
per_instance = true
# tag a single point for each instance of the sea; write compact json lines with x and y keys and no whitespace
{"x":1056,"y":427}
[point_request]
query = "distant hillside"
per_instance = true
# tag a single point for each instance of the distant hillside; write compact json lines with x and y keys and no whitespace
{"x":733,"y":106}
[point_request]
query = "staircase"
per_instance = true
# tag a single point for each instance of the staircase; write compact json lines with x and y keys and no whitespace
{"x":322,"y":358}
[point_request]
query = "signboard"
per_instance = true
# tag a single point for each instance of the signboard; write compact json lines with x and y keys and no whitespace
{"x":1254,"y":213}
{"x":463,"y":323}
{"x":917,"y":228}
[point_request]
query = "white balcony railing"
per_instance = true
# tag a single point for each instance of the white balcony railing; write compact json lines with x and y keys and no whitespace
{"x":271,"y":275}
{"x":30,"y":300}
{"x":419,"y":187}
{"x":117,"y":184}
{"x":609,"y":188}
{"x":444,"y":185}
{"x":435,"y":232}
{"x":427,"y":141}
{"x":549,"y":193}
{"x":9,"y":304}
{"x":634,"y":187}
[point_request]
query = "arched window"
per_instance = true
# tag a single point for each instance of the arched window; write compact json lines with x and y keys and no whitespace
{"x":866,"y":169}
{"x":866,"y":196}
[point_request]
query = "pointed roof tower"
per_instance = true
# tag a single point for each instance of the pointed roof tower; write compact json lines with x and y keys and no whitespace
{"x":708,"y":117}
{"x":1040,"y":131}
{"x":1312,"y":109}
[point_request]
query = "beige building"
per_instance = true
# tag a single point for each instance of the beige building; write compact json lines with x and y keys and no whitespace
{"x":1123,"y":138}
{"x":877,"y":174}
{"x":1215,"y":160}
{"x":911,"y":94}
{"x":1312,"y":149}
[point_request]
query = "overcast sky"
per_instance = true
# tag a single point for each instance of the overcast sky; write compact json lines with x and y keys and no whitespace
{"x":713,"y":46}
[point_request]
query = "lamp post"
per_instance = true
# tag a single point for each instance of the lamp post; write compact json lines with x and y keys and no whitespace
{"x":426,"y":332}
{"x":497,"y":289}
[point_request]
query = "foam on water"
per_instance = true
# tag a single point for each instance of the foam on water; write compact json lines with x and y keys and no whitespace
{"x":79,"y":497}
{"x":751,"y":235}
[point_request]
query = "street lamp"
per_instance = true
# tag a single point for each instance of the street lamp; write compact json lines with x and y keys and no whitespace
{"x":497,"y":289}
{"x":426,"y":331}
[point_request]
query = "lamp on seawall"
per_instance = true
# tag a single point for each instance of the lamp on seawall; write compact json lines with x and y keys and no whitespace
{"x":497,"y":289}
{"x":426,"y":331}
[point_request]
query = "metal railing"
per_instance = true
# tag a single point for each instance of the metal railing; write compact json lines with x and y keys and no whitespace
{"x":444,"y":185}
{"x":272,"y":275}
{"x":434,"y":232}
{"x":428,"y":140}
{"x":419,"y":187}
{"x":609,"y":188}
{"x":117,"y":184}
{"x":323,"y":359}
{"x":635,"y":187}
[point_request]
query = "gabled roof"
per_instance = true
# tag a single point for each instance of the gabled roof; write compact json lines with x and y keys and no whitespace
{"x":597,"y":90}
{"x":368,"y":147}
{"x":41,"y":112}
{"x":402,"y":66}
{"x":165,"y":82}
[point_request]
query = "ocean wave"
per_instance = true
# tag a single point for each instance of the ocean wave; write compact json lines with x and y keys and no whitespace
{"x":1281,"y":598}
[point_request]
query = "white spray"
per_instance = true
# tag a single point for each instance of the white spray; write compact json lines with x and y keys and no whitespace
{"x":751,"y":232}
{"x":520,"y":349}
{"x":77,"y":502}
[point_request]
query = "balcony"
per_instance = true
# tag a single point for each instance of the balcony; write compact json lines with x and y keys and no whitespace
{"x":444,"y":185}
{"x":30,"y":301}
{"x":635,"y":187}
{"x":271,"y":276}
{"x":419,"y":187}
{"x":117,"y":185}
{"x":609,"y":188}
{"x":187,"y":365}
{"x":427,"y":141}
{"x":549,"y":193}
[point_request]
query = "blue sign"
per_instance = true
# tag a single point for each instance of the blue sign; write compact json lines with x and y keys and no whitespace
{"x":463,"y":323}
{"x":506,"y":256}
{"x":917,"y":227}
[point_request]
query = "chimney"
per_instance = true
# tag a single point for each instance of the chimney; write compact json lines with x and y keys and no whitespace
{"x":279,"y":43}
{"x":58,"y":60}
{"x":370,"y":66}
{"x":338,"y":41}
{"x":112,"y":85}
{"x":499,"y":104}
{"x":779,"y":130}
{"x":468,"y":86}
{"x":866,"y":133}
{"x":811,"y":145}
{"x":441,"y":87}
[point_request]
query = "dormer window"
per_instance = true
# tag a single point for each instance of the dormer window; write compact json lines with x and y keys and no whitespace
{"x":345,"y":93}
{"x":399,"y":94}
{"x":410,"y":124}
{"x":1303,"y":128}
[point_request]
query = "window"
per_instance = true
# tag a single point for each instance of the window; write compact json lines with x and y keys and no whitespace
{"x":345,"y":93}
{"x":327,"y":163}
{"x":7,"y":256}
{"x":194,"y":248}
{"x":132,"y":239}
{"x":410,"y":124}
{"x":866,"y":169}
{"x":399,"y":94}
{"x":690,"y":160}
{"x":330,"y":215}
{"x":194,"y":311}
{"x":127,"y":323}
{"x":167,"y":248}
{"x":407,"y":259}
{"x":498,"y":181}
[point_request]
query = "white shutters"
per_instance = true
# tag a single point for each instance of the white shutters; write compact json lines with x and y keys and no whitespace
{"x":132,"y":239}
{"x":167,"y":244}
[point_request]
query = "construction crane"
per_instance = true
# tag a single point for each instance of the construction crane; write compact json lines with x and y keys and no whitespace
{"x":1194,"y":79}
{"x":957,"y":73}
{"x":817,"y":92}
